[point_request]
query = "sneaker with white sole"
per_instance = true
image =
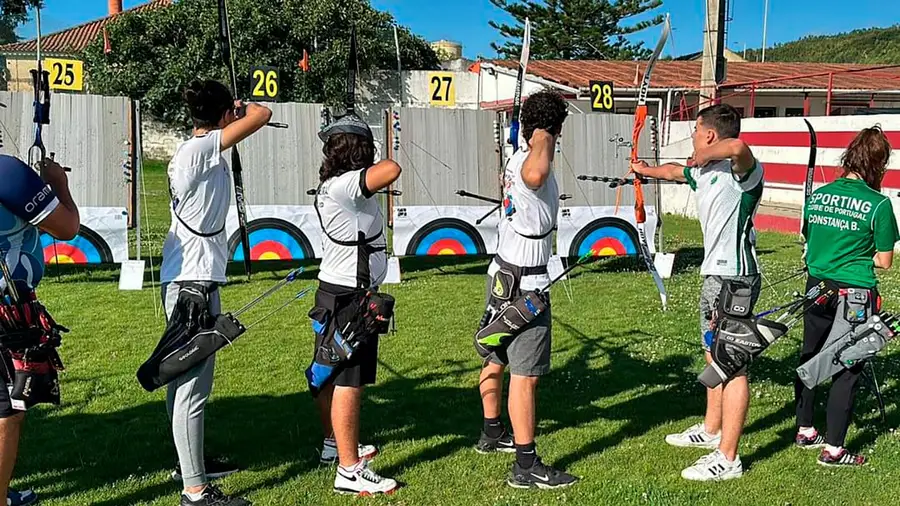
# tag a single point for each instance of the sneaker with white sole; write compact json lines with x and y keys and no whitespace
{"x":539,"y":475}
{"x":362,"y":481}
{"x":329,"y":453}
{"x":694,"y":436}
{"x":842,"y":459}
{"x":502,"y":444}
{"x":20,"y":497}
{"x":808,"y":442}
{"x":714,"y":467}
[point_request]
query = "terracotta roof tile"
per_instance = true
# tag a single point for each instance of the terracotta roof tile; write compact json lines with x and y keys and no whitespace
{"x":686,"y":74}
{"x":75,"y":39}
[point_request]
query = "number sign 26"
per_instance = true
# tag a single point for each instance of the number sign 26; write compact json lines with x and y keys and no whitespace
{"x":65,"y":74}
{"x":264,"y":83}
{"x":602,"y":96}
{"x":441,"y":89}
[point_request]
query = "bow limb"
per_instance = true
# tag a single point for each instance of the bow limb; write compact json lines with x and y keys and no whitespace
{"x":236,"y":167}
{"x":810,"y":171}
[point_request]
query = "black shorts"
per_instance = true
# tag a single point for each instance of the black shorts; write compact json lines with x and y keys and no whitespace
{"x":362,"y":367}
{"x":6,"y":409}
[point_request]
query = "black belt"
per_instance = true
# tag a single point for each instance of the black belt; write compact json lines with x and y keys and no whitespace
{"x":521,"y":271}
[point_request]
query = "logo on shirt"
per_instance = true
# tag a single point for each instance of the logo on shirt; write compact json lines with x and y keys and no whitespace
{"x":43,"y":195}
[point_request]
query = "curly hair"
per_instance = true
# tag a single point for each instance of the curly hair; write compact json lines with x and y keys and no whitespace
{"x":344,"y":153}
{"x":546,"y":110}
{"x":867,"y":156}
{"x":208,"y":101}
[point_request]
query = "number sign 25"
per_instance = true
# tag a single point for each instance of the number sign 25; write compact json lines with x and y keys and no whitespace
{"x":264,"y":83}
{"x":65,"y":74}
{"x":602,"y":96}
{"x":441,"y":89}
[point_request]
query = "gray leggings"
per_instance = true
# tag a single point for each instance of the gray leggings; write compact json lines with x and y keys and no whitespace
{"x":186,"y":399}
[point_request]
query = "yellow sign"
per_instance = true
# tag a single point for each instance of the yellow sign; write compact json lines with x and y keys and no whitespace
{"x":264,"y":83}
{"x":65,"y":74}
{"x":441,"y":89}
{"x":602,"y":96}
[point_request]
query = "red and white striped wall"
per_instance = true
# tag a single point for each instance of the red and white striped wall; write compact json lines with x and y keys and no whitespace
{"x":782,"y":145}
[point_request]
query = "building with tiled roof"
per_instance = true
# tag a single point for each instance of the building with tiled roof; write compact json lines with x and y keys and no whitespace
{"x":758,"y":89}
{"x":19,"y":56}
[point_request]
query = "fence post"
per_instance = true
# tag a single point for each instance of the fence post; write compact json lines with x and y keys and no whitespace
{"x":830,"y":89}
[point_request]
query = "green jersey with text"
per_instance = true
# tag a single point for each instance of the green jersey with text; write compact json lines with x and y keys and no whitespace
{"x":726,"y":205}
{"x":845,"y":223}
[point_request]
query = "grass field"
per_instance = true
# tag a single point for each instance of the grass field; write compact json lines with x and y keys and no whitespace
{"x":624,"y":375}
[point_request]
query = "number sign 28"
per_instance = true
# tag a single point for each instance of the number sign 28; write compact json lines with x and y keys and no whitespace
{"x":264,"y":83}
{"x":441,"y":89}
{"x":602,"y":96}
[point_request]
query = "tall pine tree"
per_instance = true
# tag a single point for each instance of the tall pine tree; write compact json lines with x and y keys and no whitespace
{"x":575,"y":29}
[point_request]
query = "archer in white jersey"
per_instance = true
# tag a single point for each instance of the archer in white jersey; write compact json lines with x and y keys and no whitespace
{"x":728,"y":182}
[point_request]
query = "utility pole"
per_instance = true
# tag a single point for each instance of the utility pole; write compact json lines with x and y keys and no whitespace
{"x":713,"y":68}
{"x":765,"y":27}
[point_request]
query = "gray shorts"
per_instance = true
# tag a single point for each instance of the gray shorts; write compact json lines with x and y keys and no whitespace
{"x":528,"y":354}
{"x":709,"y":295}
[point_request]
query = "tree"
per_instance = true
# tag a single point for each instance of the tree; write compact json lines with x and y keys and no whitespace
{"x":156,"y":53}
{"x":575,"y":29}
{"x":12,"y":14}
{"x":872,"y":46}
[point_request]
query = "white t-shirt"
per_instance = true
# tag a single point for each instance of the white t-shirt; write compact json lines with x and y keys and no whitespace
{"x":726,"y":205}
{"x":347,"y":208}
{"x":528,"y":213}
{"x":200,"y":184}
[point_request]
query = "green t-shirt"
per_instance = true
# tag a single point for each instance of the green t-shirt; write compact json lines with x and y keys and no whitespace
{"x":845,"y":223}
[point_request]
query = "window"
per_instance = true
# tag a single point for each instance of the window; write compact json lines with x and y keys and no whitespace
{"x":793,"y":112}
{"x":764,"y":112}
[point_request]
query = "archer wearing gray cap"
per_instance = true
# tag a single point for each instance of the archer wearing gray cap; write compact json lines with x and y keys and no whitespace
{"x":353,"y":264}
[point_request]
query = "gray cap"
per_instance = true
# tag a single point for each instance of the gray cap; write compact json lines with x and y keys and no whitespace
{"x":346,"y":124}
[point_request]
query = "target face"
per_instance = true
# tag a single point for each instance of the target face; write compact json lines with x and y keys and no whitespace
{"x":85,"y":248}
{"x":271,"y":239}
{"x":446,"y":236}
{"x":606,"y":237}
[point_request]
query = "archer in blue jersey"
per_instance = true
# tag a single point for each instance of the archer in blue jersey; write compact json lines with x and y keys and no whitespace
{"x":29,"y":203}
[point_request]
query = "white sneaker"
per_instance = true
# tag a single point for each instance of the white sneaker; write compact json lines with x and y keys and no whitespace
{"x":329,"y":453}
{"x":360,"y":480}
{"x":694,"y":436}
{"x":714,"y":467}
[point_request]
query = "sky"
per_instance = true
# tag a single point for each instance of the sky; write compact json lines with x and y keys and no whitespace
{"x":466,"y":21}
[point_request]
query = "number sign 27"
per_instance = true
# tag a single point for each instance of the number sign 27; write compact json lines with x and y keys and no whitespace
{"x":602,"y":96}
{"x":441,"y":89}
{"x":265,"y":83}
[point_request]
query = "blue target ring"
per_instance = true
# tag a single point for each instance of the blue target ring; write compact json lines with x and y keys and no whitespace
{"x":446,"y":236}
{"x":606,"y":237}
{"x":272,"y":239}
{"x":85,"y":248}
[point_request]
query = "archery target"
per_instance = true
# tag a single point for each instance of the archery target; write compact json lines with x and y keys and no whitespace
{"x":85,"y":248}
{"x":606,"y":236}
{"x":446,"y":236}
{"x":271,"y":239}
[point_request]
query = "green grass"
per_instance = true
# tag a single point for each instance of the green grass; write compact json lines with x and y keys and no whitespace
{"x":623,"y":377}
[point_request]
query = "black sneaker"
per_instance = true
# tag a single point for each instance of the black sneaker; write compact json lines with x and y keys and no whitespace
{"x":212,"y":496}
{"x":808,"y":442}
{"x":539,"y":475}
{"x":216,"y":467}
{"x":843,"y":459}
{"x":502,"y":444}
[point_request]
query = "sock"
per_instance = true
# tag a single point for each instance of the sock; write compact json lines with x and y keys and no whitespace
{"x":708,"y":433}
{"x":493,"y":427}
{"x":834,"y":450}
{"x":329,"y":441}
{"x":194,"y":497}
{"x":352,"y":469}
{"x":526,"y":455}
{"x":807,"y":431}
